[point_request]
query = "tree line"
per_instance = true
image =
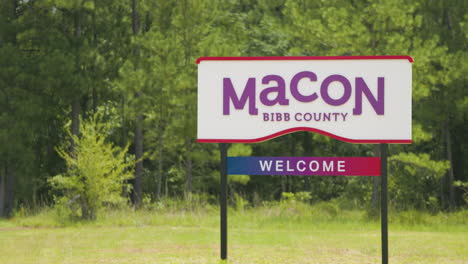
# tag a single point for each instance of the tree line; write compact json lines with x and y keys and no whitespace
{"x":133,"y":62}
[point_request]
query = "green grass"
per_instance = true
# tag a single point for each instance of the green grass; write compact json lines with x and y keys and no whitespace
{"x":284,"y":233}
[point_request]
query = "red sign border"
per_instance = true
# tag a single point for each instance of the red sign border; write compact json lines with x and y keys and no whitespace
{"x":318,"y":131}
{"x":378,"y":57}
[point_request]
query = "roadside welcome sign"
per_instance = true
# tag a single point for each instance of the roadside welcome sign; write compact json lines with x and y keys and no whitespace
{"x":355,"y":99}
{"x":325,"y":166}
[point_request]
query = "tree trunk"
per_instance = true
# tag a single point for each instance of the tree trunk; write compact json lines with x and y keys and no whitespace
{"x":84,"y":211}
{"x":10,"y":13}
{"x":135,"y":18}
{"x":95,"y":98}
{"x":307,"y":152}
{"x":450,"y":174}
{"x":7,"y":186}
{"x":283,"y":184}
{"x":7,"y":174}
{"x":75,"y":117}
{"x":166,"y":187}
{"x":93,"y":68}
{"x":160,"y":163}
{"x":9,"y":190}
{"x":2,"y":193}
{"x":76,"y":108}
{"x":137,"y":188}
{"x":137,"y":192}
{"x":188,"y":169}
{"x":376,"y":183}
{"x":124,"y":126}
{"x":87,"y":212}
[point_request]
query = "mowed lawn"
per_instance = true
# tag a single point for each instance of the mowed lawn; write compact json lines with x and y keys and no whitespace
{"x":251,"y":240}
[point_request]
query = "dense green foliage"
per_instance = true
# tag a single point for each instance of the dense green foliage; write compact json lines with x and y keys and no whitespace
{"x":63,"y":60}
{"x":96,"y":171}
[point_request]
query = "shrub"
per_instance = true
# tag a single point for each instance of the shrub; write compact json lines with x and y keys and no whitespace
{"x":96,"y":171}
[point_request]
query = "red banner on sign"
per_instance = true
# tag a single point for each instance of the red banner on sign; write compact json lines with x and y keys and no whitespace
{"x":346,"y":166}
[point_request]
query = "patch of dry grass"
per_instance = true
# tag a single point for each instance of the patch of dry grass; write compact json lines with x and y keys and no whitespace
{"x":199,"y":245}
{"x":285,"y":233}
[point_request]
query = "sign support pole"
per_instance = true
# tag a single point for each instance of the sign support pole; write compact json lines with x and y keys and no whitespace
{"x":383,"y":200}
{"x":223,"y":199}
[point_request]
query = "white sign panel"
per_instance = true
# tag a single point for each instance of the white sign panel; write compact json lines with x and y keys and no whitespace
{"x":357,"y":99}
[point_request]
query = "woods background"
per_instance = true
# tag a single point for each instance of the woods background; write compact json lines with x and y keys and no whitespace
{"x":133,"y":63}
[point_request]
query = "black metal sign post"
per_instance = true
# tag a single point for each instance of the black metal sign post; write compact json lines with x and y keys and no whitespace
{"x":241,"y":165}
{"x":383,"y":200}
{"x":223,"y":199}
